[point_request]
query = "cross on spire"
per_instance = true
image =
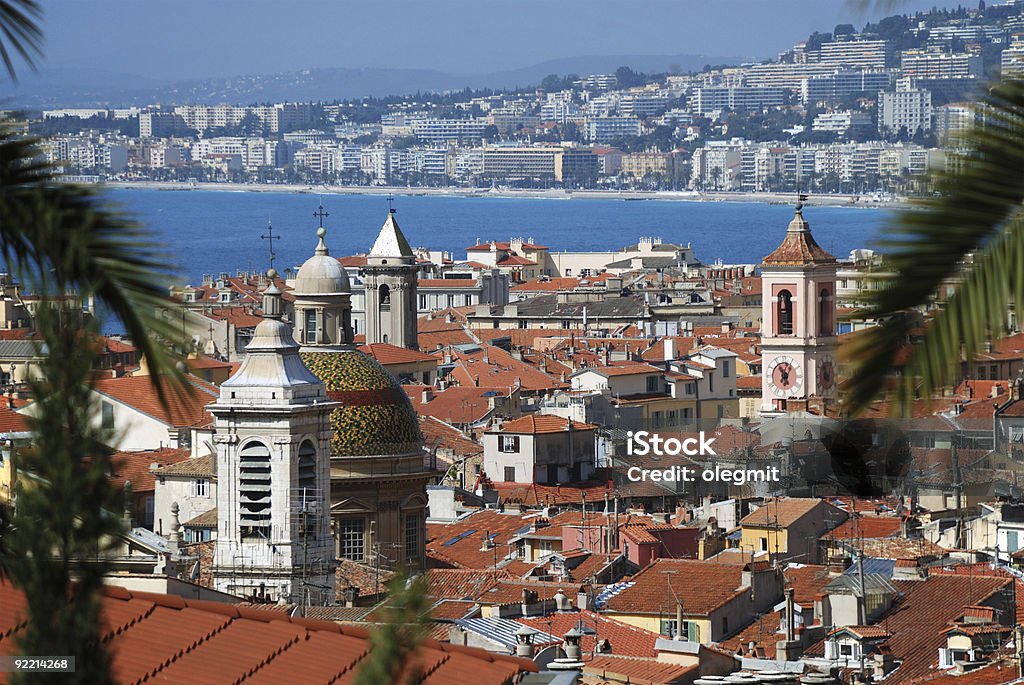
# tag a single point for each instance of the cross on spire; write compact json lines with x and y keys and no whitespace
{"x":271,"y":237}
{"x":320,"y":213}
{"x":391,"y":203}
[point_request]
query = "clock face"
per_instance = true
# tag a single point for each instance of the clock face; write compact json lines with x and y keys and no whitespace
{"x":785,"y":376}
{"x":826,"y":374}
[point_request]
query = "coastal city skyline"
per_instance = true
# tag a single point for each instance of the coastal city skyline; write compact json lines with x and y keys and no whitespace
{"x":453,"y":36}
{"x":394,"y":343}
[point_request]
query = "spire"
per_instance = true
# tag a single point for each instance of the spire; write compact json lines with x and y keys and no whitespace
{"x":390,"y":241}
{"x":799,"y":247}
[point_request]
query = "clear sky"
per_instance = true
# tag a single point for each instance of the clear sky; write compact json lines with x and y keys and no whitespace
{"x":182,"y":39}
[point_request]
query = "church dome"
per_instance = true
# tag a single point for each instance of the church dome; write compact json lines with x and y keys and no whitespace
{"x":375,"y":416}
{"x":321,"y":274}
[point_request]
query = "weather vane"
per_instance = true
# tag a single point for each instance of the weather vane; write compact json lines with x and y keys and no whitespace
{"x":271,"y":237}
{"x":320,"y":213}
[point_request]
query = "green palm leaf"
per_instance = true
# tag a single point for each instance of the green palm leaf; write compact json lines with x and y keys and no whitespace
{"x":20,"y":32}
{"x":977,"y":212}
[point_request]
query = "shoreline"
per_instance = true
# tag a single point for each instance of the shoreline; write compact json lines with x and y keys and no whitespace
{"x":852,"y":201}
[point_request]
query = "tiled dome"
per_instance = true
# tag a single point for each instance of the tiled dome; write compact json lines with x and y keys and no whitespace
{"x":375,"y":416}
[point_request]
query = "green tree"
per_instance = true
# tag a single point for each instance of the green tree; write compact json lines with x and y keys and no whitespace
{"x":60,"y":238}
{"x":970,"y":233}
{"x":394,"y":643}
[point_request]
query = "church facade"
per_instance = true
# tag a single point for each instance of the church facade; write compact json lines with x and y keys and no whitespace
{"x":378,"y":472}
{"x":272,"y":438}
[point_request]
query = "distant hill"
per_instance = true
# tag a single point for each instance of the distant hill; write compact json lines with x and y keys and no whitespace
{"x":92,"y":88}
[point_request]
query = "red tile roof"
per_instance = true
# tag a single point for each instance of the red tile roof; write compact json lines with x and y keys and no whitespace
{"x":392,"y":354}
{"x":623,"y":639}
{"x":516,"y":260}
{"x":438,"y":434}
{"x":1002,"y":671}
{"x":187,"y":408}
{"x":458,"y":583}
{"x":866,"y":527}
{"x":10,"y":420}
{"x":798,"y":247}
{"x":135,"y":466}
{"x":457,"y":404}
{"x":494,"y":367}
{"x":536,"y":424}
{"x":447,"y":283}
{"x":461,"y":544}
{"x":782,"y":511}
{"x":533,"y":495}
{"x":167,"y":638}
{"x":638,"y":671}
{"x":702,"y":587}
{"x":626,"y":370}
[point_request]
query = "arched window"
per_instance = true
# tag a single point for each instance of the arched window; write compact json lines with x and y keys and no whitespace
{"x":784,"y":313}
{"x":384,"y":294}
{"x":825,"y":311}
{"x":310,"y":326}
{"x":254,"y":490}
{"x":307,"y":467}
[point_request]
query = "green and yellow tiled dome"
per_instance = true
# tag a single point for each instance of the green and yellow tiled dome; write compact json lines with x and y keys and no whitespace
{"x":375,"y":416}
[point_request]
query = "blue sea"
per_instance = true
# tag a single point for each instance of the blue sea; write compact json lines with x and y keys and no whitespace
{"x":214,"y":231}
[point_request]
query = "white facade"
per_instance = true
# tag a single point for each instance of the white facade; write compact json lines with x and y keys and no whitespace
{"x":905,"y":109}
{"x":273,"y":470}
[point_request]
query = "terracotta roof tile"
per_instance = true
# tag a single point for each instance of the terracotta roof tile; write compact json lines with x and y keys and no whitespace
{"x":391,"y":354}
{"x":196,"y":466}
{"x":166,"y":638}
{"x":638,"y":671}
{"x":866,"y":527}
{"x":535,"y":424}
{"x":701,"y":586}
{"x":798,"y":247}
{"x":782,"y":511}
{"x":185,"y":409}
{"x":135,"y":466}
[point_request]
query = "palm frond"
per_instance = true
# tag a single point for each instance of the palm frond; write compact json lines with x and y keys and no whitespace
{"x":21,"y":33}
{"x":977,"y":212}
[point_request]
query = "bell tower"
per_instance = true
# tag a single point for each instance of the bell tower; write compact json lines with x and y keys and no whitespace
{"x":272,"y":441}
{"x":323,"y":307}
{"x":798,"y":314}
{"x":390,"y":277}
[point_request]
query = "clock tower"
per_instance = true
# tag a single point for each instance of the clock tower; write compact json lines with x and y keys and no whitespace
{"x":798,"y":321}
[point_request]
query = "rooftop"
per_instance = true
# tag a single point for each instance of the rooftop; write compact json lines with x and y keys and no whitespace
{"x":167,"y":638}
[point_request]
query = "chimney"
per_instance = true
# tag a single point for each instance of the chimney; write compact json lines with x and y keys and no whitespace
{"x":351,"y":596}
{"x":562,"y":602}
{"x":679,"y":621}
{"x":670,"y":348}
{"x":790,"y":617}
{"x":524,"y":641}
{"x":428,"y":395}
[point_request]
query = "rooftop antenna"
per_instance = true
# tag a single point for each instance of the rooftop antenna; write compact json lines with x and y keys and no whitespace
{"x":271,"y":237}
{"x":320,"y":213}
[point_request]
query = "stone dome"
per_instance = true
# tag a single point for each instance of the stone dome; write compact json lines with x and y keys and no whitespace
{"x":321,"y":274}
{"x":375,"y":416}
